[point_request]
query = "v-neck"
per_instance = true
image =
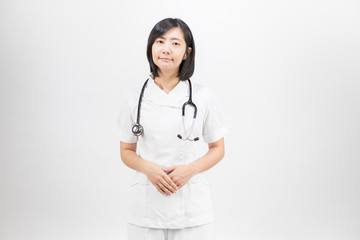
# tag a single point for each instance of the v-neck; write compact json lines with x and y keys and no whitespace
{"x":176,"y":97}
{"x":171,"y":91}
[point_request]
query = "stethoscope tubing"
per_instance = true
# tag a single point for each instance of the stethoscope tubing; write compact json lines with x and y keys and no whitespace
{"x":138,"y":129}
{"x":140,"y":100}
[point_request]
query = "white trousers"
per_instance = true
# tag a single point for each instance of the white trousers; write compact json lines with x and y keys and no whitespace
{"x":203,"y":232}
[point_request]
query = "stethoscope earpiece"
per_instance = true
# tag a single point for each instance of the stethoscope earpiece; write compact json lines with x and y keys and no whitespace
{"x":195,"y":139}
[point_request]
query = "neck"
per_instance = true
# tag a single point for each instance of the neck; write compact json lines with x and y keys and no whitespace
{"x":167,"y":81}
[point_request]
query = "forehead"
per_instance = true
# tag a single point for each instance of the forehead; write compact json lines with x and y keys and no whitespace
{"x":174,"y":33}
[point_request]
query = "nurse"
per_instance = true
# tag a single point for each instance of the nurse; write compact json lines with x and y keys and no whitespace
{"x":170,"y":196}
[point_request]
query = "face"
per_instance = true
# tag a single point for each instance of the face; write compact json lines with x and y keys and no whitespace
{"x":168,"y":51}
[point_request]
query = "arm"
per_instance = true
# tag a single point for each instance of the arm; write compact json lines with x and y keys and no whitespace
{"x":211,"y":158}
{"x":130,"y":158}
{"x":181,"y":174}
{"x":154,"y":172}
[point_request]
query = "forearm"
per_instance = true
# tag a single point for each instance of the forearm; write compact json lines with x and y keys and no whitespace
{"x":215,"y":153}
{"x":131,"y":159}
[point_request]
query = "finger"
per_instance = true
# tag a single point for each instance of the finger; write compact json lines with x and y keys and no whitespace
{"x":160,"y":190}
{"x":164,"y":188}
{"x":171,"y":182}
{"x":168,"y":186}
{"x":168,"y":170}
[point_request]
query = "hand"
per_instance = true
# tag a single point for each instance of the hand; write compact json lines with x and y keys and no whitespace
{"x":180,"y":174}
{"x":160,"y":179}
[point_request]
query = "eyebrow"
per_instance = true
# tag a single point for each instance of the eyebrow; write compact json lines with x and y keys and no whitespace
{"x":171,"y":38}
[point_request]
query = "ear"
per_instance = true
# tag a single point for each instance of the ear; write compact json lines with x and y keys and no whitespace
{"x":185,"y":55}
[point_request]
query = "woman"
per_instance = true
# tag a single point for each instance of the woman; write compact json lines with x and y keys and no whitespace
{"x":160,"y":139}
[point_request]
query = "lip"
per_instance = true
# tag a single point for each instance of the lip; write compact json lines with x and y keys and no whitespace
{"x":166,"y":59}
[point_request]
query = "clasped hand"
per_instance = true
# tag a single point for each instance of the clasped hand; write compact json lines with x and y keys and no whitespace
{"x":168,"y":180}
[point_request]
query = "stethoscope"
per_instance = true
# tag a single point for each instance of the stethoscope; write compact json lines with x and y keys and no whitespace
{"x":138,"y":129}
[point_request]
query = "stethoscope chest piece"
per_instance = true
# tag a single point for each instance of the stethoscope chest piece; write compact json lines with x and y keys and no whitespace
{"x":137,"y":130}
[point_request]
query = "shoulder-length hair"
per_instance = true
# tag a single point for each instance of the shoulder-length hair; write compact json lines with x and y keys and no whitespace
{"x":187,"y":66}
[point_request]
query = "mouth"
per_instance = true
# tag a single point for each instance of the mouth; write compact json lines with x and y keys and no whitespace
{"x":166,"y":59}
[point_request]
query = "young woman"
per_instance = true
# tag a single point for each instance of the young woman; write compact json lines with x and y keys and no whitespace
{"x":162,"y":130}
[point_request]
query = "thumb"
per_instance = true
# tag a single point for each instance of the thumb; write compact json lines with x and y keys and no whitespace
{"x":169,"y":169}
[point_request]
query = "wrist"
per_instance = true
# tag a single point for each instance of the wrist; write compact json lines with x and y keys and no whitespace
{"x":193,"y":167}
{"x":145,"y":166}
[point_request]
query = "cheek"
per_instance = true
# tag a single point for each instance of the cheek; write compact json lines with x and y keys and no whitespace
{"x":181,"y":55}
{"x":155,"y":57}
{"x":153,"y":52}
{"x":180,"y":58}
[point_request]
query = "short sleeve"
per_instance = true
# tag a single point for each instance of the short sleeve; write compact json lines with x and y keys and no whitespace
{"x":213,"y":127}
{"x":126,"y":119}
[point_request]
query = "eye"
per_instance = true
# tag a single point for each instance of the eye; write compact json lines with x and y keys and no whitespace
{"x":176,"y":43}
{"x":159,"y":41}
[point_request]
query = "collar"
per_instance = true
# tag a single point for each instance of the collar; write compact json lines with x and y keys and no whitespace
{"x":176,"y":98}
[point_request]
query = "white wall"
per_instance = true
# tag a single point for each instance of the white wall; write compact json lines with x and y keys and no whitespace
{"x":285,"y":72}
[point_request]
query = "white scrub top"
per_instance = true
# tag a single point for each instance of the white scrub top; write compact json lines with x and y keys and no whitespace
{"x":161,"y":118}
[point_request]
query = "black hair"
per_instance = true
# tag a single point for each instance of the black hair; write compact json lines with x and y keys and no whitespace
{"x":187,"y":66}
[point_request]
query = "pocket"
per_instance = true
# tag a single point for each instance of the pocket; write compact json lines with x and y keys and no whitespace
{"x":137,"y":198}
{"x":199,"y":199}
{"x":199,"y":179}
{"x":140,"y":178}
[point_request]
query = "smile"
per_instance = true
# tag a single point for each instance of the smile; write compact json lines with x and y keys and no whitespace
{"x":166,"y":59}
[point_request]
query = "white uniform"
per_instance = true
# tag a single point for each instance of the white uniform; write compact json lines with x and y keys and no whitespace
{"x":161,"y":119}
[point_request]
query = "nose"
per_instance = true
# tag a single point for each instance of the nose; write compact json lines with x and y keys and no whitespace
{"x":166,"y":49}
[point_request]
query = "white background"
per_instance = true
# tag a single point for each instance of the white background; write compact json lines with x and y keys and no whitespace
{"x":286,"y":74}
